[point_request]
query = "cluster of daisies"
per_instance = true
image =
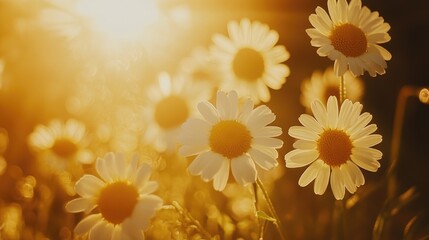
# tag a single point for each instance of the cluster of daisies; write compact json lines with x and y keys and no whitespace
{"x":232,"y":134}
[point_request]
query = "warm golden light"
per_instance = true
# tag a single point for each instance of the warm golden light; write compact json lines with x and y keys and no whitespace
{"x":117,"y":19}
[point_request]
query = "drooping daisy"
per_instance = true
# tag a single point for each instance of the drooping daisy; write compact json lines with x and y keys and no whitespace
{"x":61,"y":142}
{"x":250,"y":61}
{"x":171,"y":103}
{"x":230,"y":137}
{"x":323,"y":85}
{"x":350,"y":35}
{"x":123,"y":196}
{"x":334,"y":144}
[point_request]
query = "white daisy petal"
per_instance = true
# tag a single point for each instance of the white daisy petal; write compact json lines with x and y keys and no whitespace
{"x":209,"y":112}
{"x":243,"y":170}
{"x":80,"y":205}
{"x":356,"y":174}
{"x":322,"y":179}
{"x":304,"y":144}
{"x":264,"y":160}
{"x":149,"y":187}
{"x":332,"y":111}
{"x":221,"y":178}
{"x":190,"y":150}
{"x":310,"y":123}
{"x":87,"y":223}
{"x":303,"y":133}
{"x":319,"y":112}
{"x":88,"y":186}
{"x":300,"y":158}
{"x":267,"y":131}
{"x":309,"y":174}
{"x":101,"y":230}
{"x":346,"y":175}
{"x":368,"y":140}
{"x":143,"y":175}
{"x":337,"y":183}
{"x":268,"y":142}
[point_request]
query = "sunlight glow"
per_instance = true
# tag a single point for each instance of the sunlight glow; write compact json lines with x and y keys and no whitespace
{"x":119,"y":19}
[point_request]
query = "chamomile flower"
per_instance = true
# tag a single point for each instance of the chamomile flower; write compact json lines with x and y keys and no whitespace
{"x":250,"y":61}
{"x":60,"y":142}
{"x":323,"y":85}
{"x":350,"y":35}
{"x":123,"y":196}
{"x":233,"y":137}
{"x":171,"y":103}
{"x":200,"y":67}
{"x":334,"y":143}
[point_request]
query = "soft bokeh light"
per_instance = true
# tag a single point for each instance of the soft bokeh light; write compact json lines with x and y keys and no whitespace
{"x":119,"y":19}
{"x":82,"y":78}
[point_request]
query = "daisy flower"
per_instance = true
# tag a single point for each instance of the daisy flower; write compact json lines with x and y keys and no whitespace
{"x":200,"y":67}
{"x":334,"y":144}
{"x":61,"y":141}
{"x":171,"y":103}
{"x":350,"y":35}
{"x":122,"y":196}
{"x":323,"y":85}
{"x":249,"y":60}
{"x":230,"y":137}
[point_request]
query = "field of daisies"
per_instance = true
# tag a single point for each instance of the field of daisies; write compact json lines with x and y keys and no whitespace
{"x":190,"y":119}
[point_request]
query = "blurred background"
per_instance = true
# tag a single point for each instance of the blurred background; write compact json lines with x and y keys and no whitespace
{"x":52,"y":68}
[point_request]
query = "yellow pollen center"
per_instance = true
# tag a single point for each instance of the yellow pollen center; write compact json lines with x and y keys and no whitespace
{"x":230,"y":138}
{"x":117,"y":201}
{"x":335,"y":147}
{"x":248,"y":64}
{"x":171,"y":112}
{"x":64,"y":147}
{"x":349,"y":40}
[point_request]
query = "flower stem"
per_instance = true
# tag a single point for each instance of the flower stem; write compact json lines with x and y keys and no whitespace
{"x":342,"y":90}
{"x":271,"y":208}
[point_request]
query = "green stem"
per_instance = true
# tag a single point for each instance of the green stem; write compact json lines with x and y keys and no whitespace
{"x":342,"y":89}
{"x":271,"y":208}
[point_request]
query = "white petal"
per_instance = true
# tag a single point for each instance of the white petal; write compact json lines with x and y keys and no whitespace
{"x":348,"y":179}
{"x":310,"y":123}
{"x":303,"y":133}
{"x":337,"y":183}
{"x":187,"y":151}
{"x":209,"y":112}
{"x":368,"y":141}
{"x":202,"y":161}
{"x":322,"y":179}
{"x":299,"y":158}
{"x":365,"y":161}
{"x":221,"y":178}
{"x":88,"y":186}
{"x":243,"y":169}
{"x":268,"y":142}
{"x":101,"y":230}
{"x":332,"y":111}
{"x":143,"y":175}
{"x":356,"y":174}
{"x":309,"y":174}
{"x":304,"y":144}
{"x":264,"y":160}
{"x":87,"y":223}
{"x":267,"y":131}
{"x":149,"y":187}
{"x":319,"y":112}
{"x":80,"y":205}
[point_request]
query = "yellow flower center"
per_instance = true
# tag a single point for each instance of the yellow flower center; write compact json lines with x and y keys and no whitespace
{"x":334,"y":147}
{"x":171,"y":112}
{"x":349,"y":39}
{"x":248,"y":64}
{"x":117,"y":201}
{"x":230,"y":138}
{"x":64,"y":147}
